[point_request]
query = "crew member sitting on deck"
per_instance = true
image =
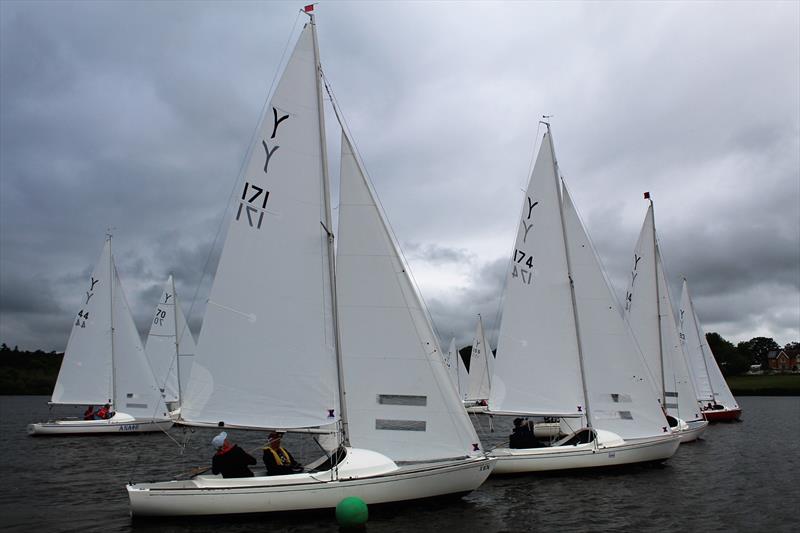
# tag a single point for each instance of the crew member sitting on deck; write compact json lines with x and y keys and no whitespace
{"x":522,"y":436}
{"x":103,"y":413}
{"x":230,"y":460}
{"x":88,"y":414}
{"x":277,"y":459}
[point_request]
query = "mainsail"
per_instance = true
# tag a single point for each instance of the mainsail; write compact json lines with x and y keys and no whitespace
{"x":170,"y":345}
{"x":266,"y":354}
{"x":537,"y":370}
{"x":400,"y":401}
{"x":648,"y":309}
{"x":711,"y":385}
{"x":481,"y":365}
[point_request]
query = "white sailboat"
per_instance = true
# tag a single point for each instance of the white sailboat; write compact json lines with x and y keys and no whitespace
{"x":170,"y":347}
{"x":648,"y":309}
{"x":713,"y":394}
{"x":564,"y":350}
{"x":288,"y":345}
{"x":104,"y":363}
{"x":481,"y":366}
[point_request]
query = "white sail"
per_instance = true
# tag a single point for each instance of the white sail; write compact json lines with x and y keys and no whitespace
{"x":621,"y":394}
{"x":480,"y":365}
{"x":537,"y":369}
{"x":170,"y":345}
{"x":135,"y":389}
{"x":86,"y":375}
{"x":681,"y":396}
{"x":400,"y":401}
{"x":451,"y":363}
{"x":692,"y":345}
{"x":699,"y":350}
{"x":648,"y":310}
{"x":463,"y":376}
{"x":266,"y":353}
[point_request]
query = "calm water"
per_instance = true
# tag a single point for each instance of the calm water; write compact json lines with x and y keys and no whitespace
{"x":740,"y":477}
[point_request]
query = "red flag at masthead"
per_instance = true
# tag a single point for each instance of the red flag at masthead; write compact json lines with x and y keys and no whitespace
{"x":309,"y":8}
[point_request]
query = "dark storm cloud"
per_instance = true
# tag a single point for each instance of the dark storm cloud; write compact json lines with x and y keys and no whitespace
{"x":137,"y":116}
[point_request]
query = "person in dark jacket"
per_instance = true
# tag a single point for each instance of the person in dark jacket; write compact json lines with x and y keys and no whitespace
{"x":277,"y":459}
{"x":230,"y":460}
{"x":522,"y":436}
{"x":88,"y":414}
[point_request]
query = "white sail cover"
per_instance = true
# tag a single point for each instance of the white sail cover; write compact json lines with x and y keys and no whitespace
{"x":644,"y":313}
{"x":709,"y":381}
{"x":537,"y":368}
{"x":266,"y":353}
{"x":400,"y":401}
{"x":86,"y":375}
{"x":480,"y":365}
{"x":170,"y":345}
{"x":621,"y":395}
{"x":135,"y":389}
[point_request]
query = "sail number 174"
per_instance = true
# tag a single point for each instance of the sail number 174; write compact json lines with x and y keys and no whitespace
{"x":522,"y":259}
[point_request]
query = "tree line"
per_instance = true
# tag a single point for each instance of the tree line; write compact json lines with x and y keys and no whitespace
{"x":738,"y":359}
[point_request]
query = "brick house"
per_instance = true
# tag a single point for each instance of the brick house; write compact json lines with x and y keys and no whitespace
{"x":783,"y":360}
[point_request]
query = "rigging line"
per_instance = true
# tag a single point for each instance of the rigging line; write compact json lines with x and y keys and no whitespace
{"x":239,"y":175}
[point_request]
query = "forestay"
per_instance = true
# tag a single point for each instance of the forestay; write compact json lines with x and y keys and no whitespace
{"x":621,"y":396}
{"x":86,"y":375}
{"x":400,"y":401}
{"x":170,"y":345}
{"x":266,"y":353}
{"x":537,"y":368}
{"x":481,"y":363}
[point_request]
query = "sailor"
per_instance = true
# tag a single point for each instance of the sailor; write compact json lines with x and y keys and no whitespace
{"x":277,"y":459}
{"x":522,"y":436}
{"x":88,"y":414}
{"x":230,"y":460}
{"x":103,"y":413}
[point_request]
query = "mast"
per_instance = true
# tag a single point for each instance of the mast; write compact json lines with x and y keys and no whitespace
{"x":569,"y":274}
{"x":177,"y":341}
{"x":328,"y":226}
{"x":113,"y":398}
{"x":658,"y":311}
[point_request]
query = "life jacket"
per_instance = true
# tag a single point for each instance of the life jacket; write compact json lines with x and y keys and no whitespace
{"x":102,"y":412}
{"x":285,"y":460}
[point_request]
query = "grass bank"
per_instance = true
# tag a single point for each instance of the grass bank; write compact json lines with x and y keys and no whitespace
{"x":765,"y":385}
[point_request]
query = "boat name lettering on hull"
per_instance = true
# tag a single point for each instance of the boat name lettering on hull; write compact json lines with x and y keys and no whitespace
{"x":129,"y":427}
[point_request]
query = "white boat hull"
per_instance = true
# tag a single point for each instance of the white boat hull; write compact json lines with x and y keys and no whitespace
{"x":692,"y":431}
{"x":119,"y":424}
{"x":213,"y":495}
{"x":591,"y":455}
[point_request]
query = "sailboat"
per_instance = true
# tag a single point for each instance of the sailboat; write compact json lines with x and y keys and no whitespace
{"x":713,"y":394}
{"x":104,"y":363}
{"x":648,"y":309}
{"x":564,"y":350}
{"x":481,"y":364}
{"x":170,"y":347}
{"x":289,"y":345}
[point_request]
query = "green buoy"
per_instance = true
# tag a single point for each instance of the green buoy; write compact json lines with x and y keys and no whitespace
{"x":351,"y":512}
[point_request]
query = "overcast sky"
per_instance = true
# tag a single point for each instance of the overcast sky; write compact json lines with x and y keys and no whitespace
{"x":137,"y":116}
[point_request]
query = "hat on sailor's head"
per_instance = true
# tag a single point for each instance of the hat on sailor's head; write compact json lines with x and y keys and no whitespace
{"x":275,"y":435}
{"x":219,"y":440}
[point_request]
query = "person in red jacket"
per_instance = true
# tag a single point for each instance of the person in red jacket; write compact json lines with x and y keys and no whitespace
{"x":88,"y":414}
{"x":103,"y":413}
{"x":230,"y":460}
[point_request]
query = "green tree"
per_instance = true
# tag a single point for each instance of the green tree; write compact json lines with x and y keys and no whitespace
{"x":730,"y":360}
{"x":757,"y":348}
